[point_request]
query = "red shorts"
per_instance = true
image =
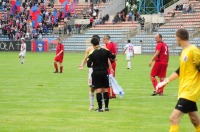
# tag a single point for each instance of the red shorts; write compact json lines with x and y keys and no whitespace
{"x":114,"y":68}
{"x":159,"y":69}
{"x":58,"y":59}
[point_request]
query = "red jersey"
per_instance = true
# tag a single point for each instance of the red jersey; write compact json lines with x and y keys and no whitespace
{"x":59,"y":48}
{"x":112,"y":47}
{"x":164,"y":52}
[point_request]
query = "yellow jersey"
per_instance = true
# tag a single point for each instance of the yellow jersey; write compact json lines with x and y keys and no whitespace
{"x":189,"y":76}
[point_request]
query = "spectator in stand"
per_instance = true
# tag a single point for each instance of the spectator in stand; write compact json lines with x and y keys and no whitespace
{"x":130,"y":16}
{"x":190,"y":9}
{"x":161,"y":11}
{"x":173,"y":14}
{"x":184,"y":8}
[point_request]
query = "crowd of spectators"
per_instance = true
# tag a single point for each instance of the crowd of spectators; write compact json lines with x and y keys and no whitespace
{"x":186,"y":8}
{"x":19,"y":24}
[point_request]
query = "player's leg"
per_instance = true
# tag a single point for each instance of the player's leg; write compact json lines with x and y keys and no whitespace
{"x":111,"y":90}
{"x":106,"y":98}
{"x":162,"y":75}
{"x":175,"y":119}
{"x":56,"y":67}
{"x":96,"y":84}
{"x":153,"y":74}
{"x":91,"y":97}
{"x":60,"y":60}
{"x":154,"y":83}
{"x":128,"y":58}
{"x":23,"y":59}
{"x":105,"y":85}
{"x":55,"y":64}
{"x":99,"y":99}
{"x":61,"y":67}
{"x":195,"y":119}
{"x":91,"y":93}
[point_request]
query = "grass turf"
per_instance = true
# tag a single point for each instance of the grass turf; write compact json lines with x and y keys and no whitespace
{"x":34,"y":99}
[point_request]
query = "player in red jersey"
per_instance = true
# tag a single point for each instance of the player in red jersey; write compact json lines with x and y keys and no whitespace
{"x":161,"y":57}
{"x":59,"y":56}
{"x":112,"y":47}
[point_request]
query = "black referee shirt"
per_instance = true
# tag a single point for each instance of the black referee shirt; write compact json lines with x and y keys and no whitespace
{"x":99,"y":59}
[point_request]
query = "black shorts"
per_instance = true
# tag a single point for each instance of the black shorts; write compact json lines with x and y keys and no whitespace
{"x":186,"y":106}
{"x":100,"y":79}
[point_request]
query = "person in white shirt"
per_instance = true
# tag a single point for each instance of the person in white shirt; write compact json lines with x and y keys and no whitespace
{"x":129,"y":51}
{"x":22,"y":53}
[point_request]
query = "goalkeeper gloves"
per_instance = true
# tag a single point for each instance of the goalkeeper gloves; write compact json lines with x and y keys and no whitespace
{"x":161,"y":84}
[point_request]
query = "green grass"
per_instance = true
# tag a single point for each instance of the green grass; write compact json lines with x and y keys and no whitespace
{"x":34,"y":99}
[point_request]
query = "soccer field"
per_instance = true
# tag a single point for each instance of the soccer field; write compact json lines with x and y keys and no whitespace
{"x":34,"y":99}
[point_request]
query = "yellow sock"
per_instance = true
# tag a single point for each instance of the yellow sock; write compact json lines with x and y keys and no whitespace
{"x":197,"y":128}
{"x":174,"y":128}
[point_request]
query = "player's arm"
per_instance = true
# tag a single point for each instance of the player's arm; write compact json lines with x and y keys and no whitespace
{"x":89,"y":62}
{"x":60,"y":52}
{"x":133,"y":52}
{"x":124,"y":50}
{"x":154,"y":57}
{"x":84,"y":61}
{"x":169,"y":79}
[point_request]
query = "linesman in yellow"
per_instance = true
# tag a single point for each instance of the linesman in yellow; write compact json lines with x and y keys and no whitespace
{"x":189,"y":83}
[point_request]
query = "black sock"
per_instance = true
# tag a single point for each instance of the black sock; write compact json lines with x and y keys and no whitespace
{"x":99,"y":100}
{"x":106,"y":99}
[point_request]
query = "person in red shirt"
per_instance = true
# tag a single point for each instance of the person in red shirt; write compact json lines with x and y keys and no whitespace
{"x":160,"y":57}
{"x":112,"y":47}
{"x":59,"y":56}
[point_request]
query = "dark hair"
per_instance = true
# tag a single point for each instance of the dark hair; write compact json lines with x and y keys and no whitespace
{"x":96,"y":36}
{"x":182,"y":34}
{"x":129,"y":41}
{"x":95,"y":41}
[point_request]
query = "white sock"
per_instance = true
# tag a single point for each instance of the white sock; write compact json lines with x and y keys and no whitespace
{"x":91,"y":98}
{"x":23,"y":60}
{"x":103,"y":101}
{"x":129,"y":64}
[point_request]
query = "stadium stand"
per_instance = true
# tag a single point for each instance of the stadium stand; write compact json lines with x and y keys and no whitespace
{"x":190,"y":21}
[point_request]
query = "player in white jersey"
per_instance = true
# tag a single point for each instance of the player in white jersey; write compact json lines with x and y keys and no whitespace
{"x":22,"y":53}
{"x":88,"y":51}
{"x":129,"y":51}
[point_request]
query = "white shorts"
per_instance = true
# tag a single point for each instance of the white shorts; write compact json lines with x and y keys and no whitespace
{"x":22,"y":54}
{"x":128,"y":57}
{"x":90,"y":70}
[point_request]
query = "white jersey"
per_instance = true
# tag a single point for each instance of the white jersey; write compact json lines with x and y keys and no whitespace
{"x":23,"y":49}
{"x":129,"y":49}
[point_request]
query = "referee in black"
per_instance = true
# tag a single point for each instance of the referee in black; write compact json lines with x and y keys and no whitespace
{"x":98,"y":60}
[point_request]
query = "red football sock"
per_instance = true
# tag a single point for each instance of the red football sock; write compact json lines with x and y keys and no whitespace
{"x":56,"y":66}
{"x":113,"y":94}
{"x":154,"y":82}
{"x":161,"y":90}
{"x":109,"y":92}
{"x":61,"y":69}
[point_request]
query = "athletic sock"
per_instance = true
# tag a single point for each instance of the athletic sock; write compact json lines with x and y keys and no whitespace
{"x":109,"y":92}
{"x":154,"y":82}
{"x":129,"y":64}
{"x":174,"y":128}
{"x":61,"y":69}
{"x":99,"y":100}
{"x":161,"y":90}
{"x":197,"y":128}
{"x":106,"y":99}
{"x":56,"y":66}
{"x":91,"y":98}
